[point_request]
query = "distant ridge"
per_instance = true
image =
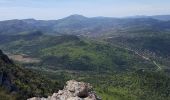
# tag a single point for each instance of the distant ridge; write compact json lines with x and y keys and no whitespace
{"x":158,"y":17}
{"x":85,"y":26}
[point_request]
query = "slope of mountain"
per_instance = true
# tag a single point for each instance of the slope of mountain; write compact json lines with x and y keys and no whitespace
{"x":152,"y":45}
{"x":68,"y":52}
{"x":130,"y":86}
{"x":18,"y":83}
{"x":158,"y":43}
{"x":139,"y":85}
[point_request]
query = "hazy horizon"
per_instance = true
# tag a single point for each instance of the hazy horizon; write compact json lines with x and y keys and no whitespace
{"x":133,"y":16}
{"x":56,"y":9}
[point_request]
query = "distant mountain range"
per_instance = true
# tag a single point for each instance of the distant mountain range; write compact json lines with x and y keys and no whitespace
{"x":80,"y":25}
{"x":158,"y":17}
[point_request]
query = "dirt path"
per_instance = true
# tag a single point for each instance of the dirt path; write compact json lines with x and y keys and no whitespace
{"x":144,"y":57}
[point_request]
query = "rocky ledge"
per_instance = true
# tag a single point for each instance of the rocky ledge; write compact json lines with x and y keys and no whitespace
{"x":73,"y":91}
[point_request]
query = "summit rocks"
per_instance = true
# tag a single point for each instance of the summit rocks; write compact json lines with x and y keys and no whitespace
{"x":73,"y":91}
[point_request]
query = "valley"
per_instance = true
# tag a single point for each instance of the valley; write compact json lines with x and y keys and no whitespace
{"x":123,"y":58}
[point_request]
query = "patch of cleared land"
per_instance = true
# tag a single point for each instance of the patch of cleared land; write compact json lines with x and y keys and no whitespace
{"x":23,"y":58}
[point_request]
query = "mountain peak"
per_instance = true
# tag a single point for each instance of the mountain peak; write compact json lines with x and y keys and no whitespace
{"x":76,"y":16}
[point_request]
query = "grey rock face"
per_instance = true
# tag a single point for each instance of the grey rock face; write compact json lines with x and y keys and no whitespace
{"x":73,"y":91}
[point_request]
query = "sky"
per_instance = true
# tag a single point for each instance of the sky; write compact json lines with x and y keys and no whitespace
{"x":56,"y":9}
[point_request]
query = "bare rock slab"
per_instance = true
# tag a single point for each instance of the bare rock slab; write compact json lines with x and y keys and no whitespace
{"x":73,"y":91}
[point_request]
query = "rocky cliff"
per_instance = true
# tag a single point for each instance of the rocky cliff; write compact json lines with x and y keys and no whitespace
{"x":73,"y":91}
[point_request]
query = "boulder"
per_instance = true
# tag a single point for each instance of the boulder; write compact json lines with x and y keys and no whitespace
{"x":73,"y":91}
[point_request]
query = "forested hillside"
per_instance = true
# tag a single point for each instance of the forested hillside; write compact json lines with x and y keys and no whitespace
{"x":123,"y":58}
{"x":73,"y":53}
{"x":18,"y":83}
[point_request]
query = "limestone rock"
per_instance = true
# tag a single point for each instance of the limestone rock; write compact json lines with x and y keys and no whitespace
{"x":73,"y":91}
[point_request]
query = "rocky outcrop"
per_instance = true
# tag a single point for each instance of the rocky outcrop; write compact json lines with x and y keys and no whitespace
{"x":73,"y":91}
